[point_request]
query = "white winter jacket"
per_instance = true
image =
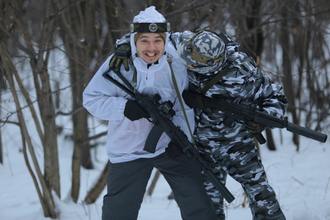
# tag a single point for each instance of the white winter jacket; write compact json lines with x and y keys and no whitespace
{"x":103,"y":99}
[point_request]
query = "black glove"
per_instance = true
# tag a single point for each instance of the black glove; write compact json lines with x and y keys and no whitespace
{"x":196,"y":100}
{"x":253,"y":127}
{"x":121,"y":57}
{"x":134,"y":112}
{"x":173,"y":151}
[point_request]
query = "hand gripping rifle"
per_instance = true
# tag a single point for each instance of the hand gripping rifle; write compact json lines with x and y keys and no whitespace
{"x":247,"y":112}
{"x":160,"y":114}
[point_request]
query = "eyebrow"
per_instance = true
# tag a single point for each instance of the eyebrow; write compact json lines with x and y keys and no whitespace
{"x":144,"y":36}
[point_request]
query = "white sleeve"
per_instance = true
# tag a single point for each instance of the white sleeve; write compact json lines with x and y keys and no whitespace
{"x":100,"y":97}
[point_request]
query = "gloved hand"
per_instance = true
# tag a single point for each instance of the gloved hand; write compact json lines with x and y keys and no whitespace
{"x":173,"y":151}
{"x":121,"y":57}
{"x":253,"y":127}
{"x":134,"y":112}
{"x":196,"y":100}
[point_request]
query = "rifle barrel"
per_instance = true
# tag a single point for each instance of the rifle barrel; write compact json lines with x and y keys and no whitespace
{"x":318,"y":136}
{"x":244,"y":112}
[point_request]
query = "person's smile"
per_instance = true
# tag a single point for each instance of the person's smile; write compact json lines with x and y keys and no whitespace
{"x":150,"y":47}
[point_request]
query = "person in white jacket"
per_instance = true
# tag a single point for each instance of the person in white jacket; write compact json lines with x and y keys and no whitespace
{"x":129,"y":125}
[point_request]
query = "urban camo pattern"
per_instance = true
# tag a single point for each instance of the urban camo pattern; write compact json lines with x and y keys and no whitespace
{"x":231,"y":149}
{"x":206,"y":43}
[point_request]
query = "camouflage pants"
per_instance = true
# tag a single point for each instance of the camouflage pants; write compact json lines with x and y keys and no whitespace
{"x":242,"y":162}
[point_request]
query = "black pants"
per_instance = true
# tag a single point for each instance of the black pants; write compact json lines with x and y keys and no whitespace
{"x":127,"y":184}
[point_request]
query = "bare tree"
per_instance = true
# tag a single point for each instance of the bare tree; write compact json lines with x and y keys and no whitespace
{"x":78,"y":46}
{"x":288,"y":39}
{"x":36,"y":49}
{"x":3,"y":87}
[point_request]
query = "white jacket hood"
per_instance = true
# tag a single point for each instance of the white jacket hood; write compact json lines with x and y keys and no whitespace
{"x":149,"y":15}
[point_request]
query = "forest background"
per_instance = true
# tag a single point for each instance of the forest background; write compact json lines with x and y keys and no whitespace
{"x":49,"y":50}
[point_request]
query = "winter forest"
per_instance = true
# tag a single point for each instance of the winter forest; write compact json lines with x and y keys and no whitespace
{"x":49,"y":50}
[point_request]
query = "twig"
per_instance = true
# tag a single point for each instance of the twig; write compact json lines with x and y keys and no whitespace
{"x":297,"y":180}
{"x":153,"y":183}
{"x":326,"y":188}
{"x":191,"y":6}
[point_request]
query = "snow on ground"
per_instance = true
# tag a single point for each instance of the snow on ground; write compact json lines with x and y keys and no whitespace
{"x":300,"y":179}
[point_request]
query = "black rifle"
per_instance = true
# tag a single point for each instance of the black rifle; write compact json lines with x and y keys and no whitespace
{"x":160,"y":113}
{"x":247,"y":112}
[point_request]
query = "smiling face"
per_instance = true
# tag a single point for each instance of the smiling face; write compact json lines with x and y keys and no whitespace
{"x":150,"y":47}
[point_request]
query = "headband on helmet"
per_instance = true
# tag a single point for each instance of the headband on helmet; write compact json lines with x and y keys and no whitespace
{"x":150,"y":27}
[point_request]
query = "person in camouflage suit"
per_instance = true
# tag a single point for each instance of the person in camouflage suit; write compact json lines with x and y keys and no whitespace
{"x":229,"y":145}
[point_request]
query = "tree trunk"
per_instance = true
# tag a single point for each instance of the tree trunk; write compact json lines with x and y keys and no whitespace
{"x":250,"y":29}
{"x":253,"y":41}
{"x":3,"y":86}
{"x":81,"y":42}
{"x":1,"y":154}
{"x":153,"y":183}
{"x":95,"y":192}
{"x":45,"y":198}
{"x":288,"y":85}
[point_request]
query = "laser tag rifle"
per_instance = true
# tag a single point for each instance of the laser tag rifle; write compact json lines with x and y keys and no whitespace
{"x":247,"y":112}
{"x":161,"y":114}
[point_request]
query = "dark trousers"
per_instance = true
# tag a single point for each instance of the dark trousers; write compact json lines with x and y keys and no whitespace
{"x":127,"y":184}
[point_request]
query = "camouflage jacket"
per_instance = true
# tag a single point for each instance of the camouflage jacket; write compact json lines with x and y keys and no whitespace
{"x":243,"y":81}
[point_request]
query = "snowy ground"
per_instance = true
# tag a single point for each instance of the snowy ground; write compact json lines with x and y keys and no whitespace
{"x":301,"y":181}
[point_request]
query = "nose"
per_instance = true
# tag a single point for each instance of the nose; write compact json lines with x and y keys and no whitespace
{"x":152,"y":46}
